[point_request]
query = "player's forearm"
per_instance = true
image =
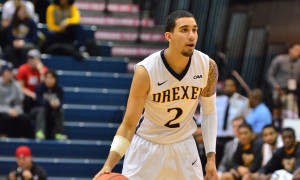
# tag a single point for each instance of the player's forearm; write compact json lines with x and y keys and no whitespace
{"x":112,"y":160}
{"x":127,"y":131}
{"x":209,"y":123}
{"x":119,"y":145}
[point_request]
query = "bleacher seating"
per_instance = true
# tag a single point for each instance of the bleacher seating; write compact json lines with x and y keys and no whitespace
{"x":120,"y":27}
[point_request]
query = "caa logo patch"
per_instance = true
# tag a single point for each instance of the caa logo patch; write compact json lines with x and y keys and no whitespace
{"x":197,"y":77}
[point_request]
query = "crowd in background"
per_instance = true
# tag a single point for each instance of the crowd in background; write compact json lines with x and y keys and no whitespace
{"x":31,"y":97}
{"x":19,"y":30}
{"x":252,"y":142}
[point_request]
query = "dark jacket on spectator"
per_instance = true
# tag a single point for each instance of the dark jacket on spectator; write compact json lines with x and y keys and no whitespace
{"x":27,"y":30}
{"x":277,"y":160}
{"x":253,"y":150}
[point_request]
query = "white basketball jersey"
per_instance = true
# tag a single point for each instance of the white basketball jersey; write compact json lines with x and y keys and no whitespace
{"x":172,"y":99}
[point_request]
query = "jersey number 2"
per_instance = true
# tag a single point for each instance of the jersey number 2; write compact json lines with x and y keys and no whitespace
{"x":178,"y":114}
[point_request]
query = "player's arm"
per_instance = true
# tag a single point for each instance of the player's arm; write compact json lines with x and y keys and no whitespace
{"x":209,"y":119}
{"x":139,"y":89}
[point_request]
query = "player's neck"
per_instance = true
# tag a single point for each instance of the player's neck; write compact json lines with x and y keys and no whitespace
{"x":176,"y":60}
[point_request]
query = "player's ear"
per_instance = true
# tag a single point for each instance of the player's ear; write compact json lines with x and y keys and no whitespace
{"x":168,"y":36}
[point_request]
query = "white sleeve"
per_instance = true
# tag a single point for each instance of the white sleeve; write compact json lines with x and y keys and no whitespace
{"x":209,"y":122}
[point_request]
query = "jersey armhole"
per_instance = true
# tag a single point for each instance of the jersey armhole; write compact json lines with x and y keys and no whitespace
{"x":150,"y":78}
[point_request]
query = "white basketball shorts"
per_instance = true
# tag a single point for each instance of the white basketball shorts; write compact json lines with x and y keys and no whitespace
{"x":146,"y":160}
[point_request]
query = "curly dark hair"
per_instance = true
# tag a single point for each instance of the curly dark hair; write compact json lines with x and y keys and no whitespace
{"x":170,"y":21}
{"x":71,"y":2}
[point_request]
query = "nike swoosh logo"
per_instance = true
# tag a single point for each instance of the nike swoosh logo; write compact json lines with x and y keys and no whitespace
{"x":162,"y":83}
{"x":194,"y":162}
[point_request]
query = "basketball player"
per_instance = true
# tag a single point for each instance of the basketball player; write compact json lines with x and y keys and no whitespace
{"x":167,"y":85}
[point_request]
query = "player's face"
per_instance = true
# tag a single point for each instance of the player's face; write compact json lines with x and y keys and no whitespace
{"x":235,"y":126}
{"x":184,"y":36}
{"x":63,"y":2}
{"x":229,"y":87}
{"x":22,"y":13}
{"x":288,"y":139}
{"x":50,"y":80}
{"x":245,"y":136}
{"x":7,"y":75}
{"x":270,"y":135}
{"x":24,"y":162}
{"x":294,"y":52}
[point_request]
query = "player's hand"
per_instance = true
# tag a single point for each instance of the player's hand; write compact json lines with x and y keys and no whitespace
{"x":12,"y":176}
{"x":27,"y":174}
{"x":63,"y":25}
{"x":243,"y":170}
{"x":40,"y":67}
{"x":104,"y":170}
{"x":211,"y":170}
{"x":13,"y":112}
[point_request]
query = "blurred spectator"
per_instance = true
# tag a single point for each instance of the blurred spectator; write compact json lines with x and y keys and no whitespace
{"x":26,"y":168}
{"x":284,"y":77}
{"x":29,"y":75}
{"x":230,"y":147}
{"x":63,"y":20}
{"x":9,"y":8}
{"x":8,"y":11}
{"x":230,"y":105}
{"x":272,"y":141}
{"x":284,"y":159}
{"x":277,"y":114}
{"x":49,"y":112}
{"x":260,"y":115}
{"x":13,"y":122}
{"x":21,"y":37}
{"x":247,"y":158}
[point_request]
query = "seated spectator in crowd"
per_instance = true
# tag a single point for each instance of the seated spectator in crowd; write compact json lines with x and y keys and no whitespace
{"x":247,"y":157}
{"x":13,"y":122}
{"x":284,"y":159}
{"x":272,"y":141}
{"x":8,"y":10}
{"x":26,"y":168}
{"x":49,"y":112}
{"x":230,"y":105}
{"x":230,"y":147}
{"x":63,"y":20}
{"x":29,"y":75}
{"x":284,"y":77}
{"x":21,"y":37}
{"x":260,"y":115}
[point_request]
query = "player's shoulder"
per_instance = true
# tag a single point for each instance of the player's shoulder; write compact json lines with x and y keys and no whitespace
{"x":151,"y":59}
{"x":281,"y":58}
{"x":200,"y":56}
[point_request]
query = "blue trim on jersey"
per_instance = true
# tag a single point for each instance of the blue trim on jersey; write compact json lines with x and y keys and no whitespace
{"x":177,"y":76}
{"x":140,"y":122}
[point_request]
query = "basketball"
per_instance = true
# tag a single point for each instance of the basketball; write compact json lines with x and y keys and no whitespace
{"x":113,"y":176}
